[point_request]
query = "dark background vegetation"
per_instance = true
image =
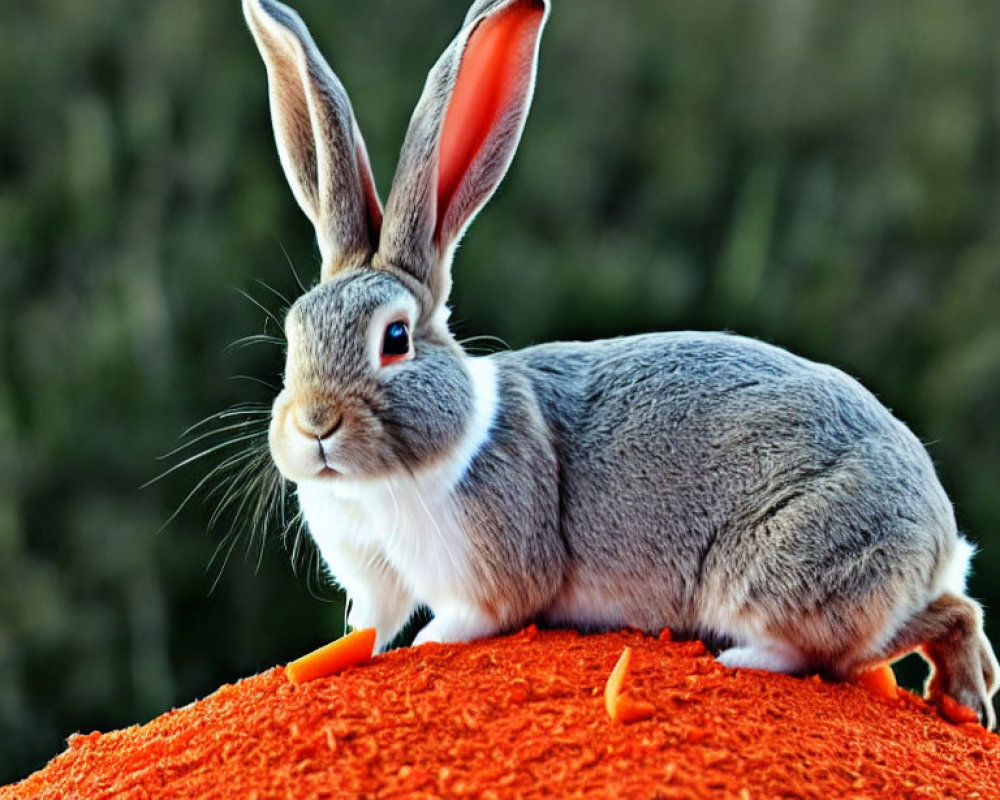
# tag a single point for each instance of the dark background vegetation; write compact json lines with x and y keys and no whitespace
{"x":825,"y":175}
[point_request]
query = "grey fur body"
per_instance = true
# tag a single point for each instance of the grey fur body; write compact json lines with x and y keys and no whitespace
{"x":704,"y":482}
{"x":728,"y":473}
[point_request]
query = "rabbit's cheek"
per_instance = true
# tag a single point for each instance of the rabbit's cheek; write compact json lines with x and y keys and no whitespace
{"x":358,"y":448}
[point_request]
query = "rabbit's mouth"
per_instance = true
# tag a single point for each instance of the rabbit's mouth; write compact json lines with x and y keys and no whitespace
{"x":320,"y":441}
{"x":327,"y":470}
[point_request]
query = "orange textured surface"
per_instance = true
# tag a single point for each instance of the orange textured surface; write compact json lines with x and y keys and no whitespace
{"x":524,"y":716}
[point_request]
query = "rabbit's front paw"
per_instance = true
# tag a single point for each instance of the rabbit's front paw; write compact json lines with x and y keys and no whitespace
{"x":387,"y":618}
{"x":457,"y":624}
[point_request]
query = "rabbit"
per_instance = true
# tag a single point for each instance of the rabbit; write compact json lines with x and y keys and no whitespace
{"x":704,"y":482}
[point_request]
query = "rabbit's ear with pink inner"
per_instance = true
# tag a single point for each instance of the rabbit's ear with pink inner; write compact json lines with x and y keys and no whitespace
{"x":461,"y":140}
{"x":319,"y":144}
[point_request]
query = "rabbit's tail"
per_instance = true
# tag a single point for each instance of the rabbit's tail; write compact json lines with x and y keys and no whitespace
{"x":949,"y":634}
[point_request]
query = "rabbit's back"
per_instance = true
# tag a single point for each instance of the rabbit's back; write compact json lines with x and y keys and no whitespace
{"x":707,"y":478}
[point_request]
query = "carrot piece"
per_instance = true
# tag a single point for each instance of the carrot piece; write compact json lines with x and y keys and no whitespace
{"x":955,"y":712}
{"x":354,"y":648}
{"x":613,"y":688}
{"x":628,"y":709}
{"x":880,"y":680}
{"x":620,"y":707}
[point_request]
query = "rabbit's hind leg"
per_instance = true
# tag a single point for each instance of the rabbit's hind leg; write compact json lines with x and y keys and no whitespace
{"x":949,"y":634}
{"x":769,"y":655}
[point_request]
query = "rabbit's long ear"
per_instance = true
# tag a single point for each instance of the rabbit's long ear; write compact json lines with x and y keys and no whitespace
{"x":461,"y":139}
{"x":319,"y":144}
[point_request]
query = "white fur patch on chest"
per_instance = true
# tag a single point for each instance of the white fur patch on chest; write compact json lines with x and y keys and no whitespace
{"x":409,"y":520}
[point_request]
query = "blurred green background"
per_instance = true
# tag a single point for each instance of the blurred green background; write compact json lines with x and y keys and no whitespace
{"x":825,"y":175}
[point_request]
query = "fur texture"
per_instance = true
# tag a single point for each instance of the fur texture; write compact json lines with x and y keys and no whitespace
{"x":704,"y":482}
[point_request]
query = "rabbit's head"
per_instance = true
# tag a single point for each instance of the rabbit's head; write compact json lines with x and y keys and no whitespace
{"x":374,"y":381}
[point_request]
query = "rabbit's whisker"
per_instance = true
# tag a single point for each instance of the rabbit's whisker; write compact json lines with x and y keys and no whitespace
{"x":267,"y":507}
{"x":434,"y":525}
{"x":231,"y":539}
{"x":270,"y":314}
{"x":235,"y":490}
{"x":496,"y":340}
{"x":273,"y":291}
{"x":198,"y":456}
{"x":395,"y":522}
{"x":208,"y":435}
{"x":255,"y":379}
{"x":291,"y":266}
{"x":214,"y":472}
{"x":249,"y":341}
{"x":246,"y":485}
{"x":251,"y":409}
{"x":247,"y":454}
{"x":252,"y":493}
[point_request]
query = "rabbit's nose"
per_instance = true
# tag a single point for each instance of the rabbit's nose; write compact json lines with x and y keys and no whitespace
{"x":319,"y":423}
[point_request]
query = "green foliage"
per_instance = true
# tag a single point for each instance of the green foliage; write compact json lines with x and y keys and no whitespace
{"x":823,"y":175}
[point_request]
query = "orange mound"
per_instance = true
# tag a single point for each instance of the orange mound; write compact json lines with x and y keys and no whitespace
{"x":524,"y":716}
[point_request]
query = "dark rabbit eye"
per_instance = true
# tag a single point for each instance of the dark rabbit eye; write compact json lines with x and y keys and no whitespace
{"x":395,"y":342}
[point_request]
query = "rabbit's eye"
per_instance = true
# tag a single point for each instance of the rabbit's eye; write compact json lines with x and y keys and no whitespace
{"x":395,"y":342}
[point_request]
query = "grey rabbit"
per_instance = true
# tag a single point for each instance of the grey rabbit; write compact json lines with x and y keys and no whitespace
{"x":704,"y":482}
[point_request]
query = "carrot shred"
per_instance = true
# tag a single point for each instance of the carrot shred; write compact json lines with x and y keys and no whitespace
{"x":880,"y":680}
{"x":354,"y":648}
{"x":628,"y":709}
{"x":619,"y":706}
{"x":613,"y":688}
{"x":956,"y":712}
